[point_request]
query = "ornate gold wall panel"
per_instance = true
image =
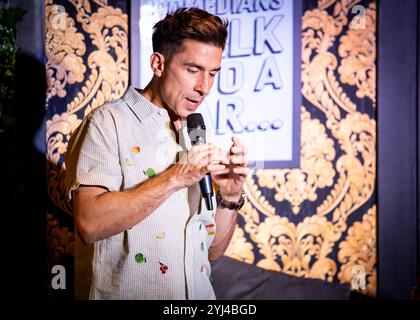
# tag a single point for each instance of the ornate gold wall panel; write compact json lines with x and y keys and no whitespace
{"x":87,"y":65}
{"x":319,"y":221}
{"x":86,"y":48}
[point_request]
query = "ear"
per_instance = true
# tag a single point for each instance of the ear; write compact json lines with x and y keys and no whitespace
{"x":157,"y":62}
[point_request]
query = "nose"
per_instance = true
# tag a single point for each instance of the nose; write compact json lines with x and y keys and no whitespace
{"x":203,"y":84}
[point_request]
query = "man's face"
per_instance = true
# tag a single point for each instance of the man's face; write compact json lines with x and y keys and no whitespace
{"x":188,"y":77}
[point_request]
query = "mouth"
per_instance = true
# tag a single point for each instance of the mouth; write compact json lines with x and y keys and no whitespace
{"x":194,"y":102}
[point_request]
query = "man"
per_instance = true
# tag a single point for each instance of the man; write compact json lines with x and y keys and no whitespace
{"x":133,"y":199}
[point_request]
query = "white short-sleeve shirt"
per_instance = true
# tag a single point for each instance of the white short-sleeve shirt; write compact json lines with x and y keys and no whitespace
{"x":165,"y":256}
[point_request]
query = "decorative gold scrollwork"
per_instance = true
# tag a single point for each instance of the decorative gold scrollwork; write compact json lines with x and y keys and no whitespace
{"x":338,"y":155}
{"x":93,"y":52}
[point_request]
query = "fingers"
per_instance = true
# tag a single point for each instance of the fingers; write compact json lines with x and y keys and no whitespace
{"x":238,"y":153}
{"x":239,"y":171}
{"x":242,"y":171}
{"x":238,"y":150}
{"x":208,"y":155}
{"x":217,"y":168}
{"x":224,"y":170}
{"x":193,"y":155}
{"x":239,"y":160}
{"x":236,"y":141}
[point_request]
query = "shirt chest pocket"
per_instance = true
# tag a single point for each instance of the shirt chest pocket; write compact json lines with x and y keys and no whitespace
{"x":142,"y":162}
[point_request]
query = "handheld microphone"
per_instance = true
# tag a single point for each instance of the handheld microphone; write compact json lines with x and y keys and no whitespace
{"x":197,"y":133}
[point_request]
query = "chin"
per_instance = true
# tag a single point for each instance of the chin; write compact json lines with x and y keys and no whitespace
{"x":185,"y":113}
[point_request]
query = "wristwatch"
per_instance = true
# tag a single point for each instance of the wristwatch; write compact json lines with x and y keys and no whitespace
{"x":231,"y":205}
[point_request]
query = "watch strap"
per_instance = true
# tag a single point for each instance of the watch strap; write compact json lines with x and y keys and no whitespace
{"x":231,"y":205}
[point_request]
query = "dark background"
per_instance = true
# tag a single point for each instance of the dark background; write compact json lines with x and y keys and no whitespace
{"x":398,"y":147}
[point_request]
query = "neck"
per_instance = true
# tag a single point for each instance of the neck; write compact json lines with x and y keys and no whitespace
{"x":176,"y":121}
{"x":150,"y":92}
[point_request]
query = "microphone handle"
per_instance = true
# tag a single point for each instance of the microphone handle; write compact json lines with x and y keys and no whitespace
{"x":207,"y":190}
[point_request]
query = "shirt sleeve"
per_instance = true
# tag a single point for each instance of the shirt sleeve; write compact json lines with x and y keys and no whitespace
{"x":92,"y":156}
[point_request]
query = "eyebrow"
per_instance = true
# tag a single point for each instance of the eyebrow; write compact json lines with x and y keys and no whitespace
{"x":191,"y":64}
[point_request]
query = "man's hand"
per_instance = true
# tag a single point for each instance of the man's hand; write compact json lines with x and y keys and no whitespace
{"x":232,"y":178}
{"x":195,"y":164}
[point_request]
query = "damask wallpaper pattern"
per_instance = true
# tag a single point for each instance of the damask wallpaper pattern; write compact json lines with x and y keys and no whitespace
{"x":317,"y":221}
{"x":86,"y":47}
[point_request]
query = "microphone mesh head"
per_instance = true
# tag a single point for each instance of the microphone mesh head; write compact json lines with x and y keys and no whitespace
{"x":196,"y":128}
{"x":195,"y":120}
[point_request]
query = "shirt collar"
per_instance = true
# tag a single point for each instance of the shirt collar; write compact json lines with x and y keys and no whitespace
{"x":141,"y":107}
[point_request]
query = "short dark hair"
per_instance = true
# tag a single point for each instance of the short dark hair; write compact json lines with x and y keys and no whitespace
{"x":188,"y":23}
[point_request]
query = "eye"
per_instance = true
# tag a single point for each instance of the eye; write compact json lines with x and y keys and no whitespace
{"x":192,"y":70}
{"x":213,"y":74}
